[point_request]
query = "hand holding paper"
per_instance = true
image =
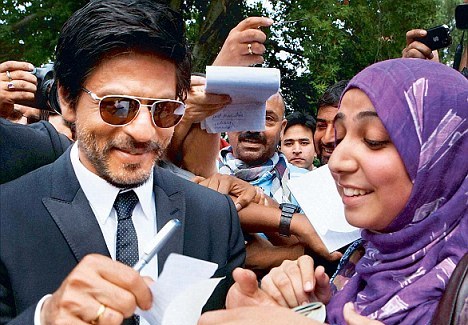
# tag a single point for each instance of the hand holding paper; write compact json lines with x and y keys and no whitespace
{"x":249,"y":89}
{"x":181,"y":291}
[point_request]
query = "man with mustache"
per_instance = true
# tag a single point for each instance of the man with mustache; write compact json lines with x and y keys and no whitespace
{"x":324,"y":136}
{"x":253,"y":156}
{"x":72,"y":230}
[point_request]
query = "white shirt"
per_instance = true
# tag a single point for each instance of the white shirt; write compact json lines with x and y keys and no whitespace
{"x":101,"y":196}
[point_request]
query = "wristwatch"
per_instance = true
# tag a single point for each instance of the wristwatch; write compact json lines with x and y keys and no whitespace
{"x":287,"y":211}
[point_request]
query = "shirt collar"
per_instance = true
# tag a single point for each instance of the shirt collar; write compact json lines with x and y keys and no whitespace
{"x":101,"y":194}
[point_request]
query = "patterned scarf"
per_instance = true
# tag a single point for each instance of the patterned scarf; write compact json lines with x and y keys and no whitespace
{"x":405,"y":270}
{"x":274,"y":168}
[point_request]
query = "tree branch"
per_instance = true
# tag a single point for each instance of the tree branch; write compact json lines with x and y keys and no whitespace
{"x":277,"y":47}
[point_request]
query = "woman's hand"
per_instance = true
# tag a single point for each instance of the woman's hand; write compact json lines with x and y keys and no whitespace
{"x":245,"y":291}
{"x":255,"y":316}
{"x":353,"y":318}
{"x":294,"y":283}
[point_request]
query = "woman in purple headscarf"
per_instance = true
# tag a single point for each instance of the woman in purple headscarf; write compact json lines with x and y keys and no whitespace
{"x":400,"y":167}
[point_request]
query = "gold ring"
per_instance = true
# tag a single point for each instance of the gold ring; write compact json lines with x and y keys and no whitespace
{"x":8,"y":74}
{"x":249,"y":46}
{"x":100,"y":312}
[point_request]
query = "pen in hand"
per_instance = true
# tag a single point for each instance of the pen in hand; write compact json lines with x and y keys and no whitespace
{"x":157,"y":243}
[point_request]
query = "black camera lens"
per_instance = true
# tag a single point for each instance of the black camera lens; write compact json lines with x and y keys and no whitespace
{"x":46,"y":93}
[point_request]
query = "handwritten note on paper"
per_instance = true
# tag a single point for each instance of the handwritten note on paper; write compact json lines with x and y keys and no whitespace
{"x":316,"y":193}
{"x":181,"y":291}
{"x":249,"y":89}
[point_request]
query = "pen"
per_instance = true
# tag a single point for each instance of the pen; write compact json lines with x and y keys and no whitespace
{"x":157,"y":243}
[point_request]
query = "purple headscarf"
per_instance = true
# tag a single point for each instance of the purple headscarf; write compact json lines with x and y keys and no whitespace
{"x":405,"y":270}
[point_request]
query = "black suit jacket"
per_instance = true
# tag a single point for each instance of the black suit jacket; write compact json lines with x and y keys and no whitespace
{"x":24,"y":148}
{"x":47,"y":227}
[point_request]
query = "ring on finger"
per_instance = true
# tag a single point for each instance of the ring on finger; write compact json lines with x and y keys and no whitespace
{"x":249,"y":47}
{"x":10,"y":85}
{"x":100,"y":312}
{"x":10,"y":79}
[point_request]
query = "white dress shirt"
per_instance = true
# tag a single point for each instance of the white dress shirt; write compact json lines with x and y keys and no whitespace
{"x":101,"y":196}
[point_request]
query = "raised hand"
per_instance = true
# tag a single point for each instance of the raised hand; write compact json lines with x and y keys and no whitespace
{"x":415,"y":49}
{"x":244,"y":44}
{"x":17,"y":85}
{"x":294,"y":283}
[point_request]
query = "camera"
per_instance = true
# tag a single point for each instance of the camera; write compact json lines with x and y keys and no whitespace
{"x":461,"y":16}
{"x":437,"y":37}
{"x":46,"y":94}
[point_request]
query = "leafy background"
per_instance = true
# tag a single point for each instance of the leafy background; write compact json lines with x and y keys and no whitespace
{"x":333,"y":39}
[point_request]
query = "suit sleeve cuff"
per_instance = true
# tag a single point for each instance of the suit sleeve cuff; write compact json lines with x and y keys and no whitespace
{"x":37,"y":313}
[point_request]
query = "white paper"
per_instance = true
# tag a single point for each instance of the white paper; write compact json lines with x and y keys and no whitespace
{"x":249,"y":89}
{"x":181,"y":291}
{"x":317,"y":195}
{"x":186,"y":308}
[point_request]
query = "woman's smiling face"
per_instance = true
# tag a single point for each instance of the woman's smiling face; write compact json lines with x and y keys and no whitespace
{"x":369,"y":173}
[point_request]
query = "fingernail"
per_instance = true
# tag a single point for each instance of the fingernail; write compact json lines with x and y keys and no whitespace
{"x":238,"y":207}
{"x":305,"y":302}
{"x":308,"y":286}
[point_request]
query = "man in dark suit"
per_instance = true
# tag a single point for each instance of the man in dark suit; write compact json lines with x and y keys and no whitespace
{"x":25,"y":148}
{"x":68,"y":237}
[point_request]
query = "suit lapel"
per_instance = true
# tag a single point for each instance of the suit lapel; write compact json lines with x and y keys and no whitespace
{"x":72,"y":213}
{"x":169,"y":206}
{"x":69,"y":208}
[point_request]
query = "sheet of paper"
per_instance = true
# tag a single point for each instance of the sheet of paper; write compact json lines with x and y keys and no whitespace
{"x":249,"y":88}
{"x":316,"y":193}
{"x":186,"y":308}
{"x":181,"y":291}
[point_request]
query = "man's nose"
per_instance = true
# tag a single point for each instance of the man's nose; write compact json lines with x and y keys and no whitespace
{"x":329,"y":136}
{"x":297,"y":148}
{"x":141,"y":129}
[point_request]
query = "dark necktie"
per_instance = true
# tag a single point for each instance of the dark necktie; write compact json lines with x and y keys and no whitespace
{"x":127,"y":240}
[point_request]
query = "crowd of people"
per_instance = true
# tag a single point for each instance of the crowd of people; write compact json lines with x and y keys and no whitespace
{"x":83,"y":192}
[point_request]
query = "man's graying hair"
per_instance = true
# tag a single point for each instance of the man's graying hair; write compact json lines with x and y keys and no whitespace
{"x":102,"y":29}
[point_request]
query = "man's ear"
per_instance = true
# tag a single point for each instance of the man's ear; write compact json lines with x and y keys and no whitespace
{"x":68,"y":111}
{"x":283,"y":126}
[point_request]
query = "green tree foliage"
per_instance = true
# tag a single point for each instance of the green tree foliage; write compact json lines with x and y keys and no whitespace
{"x":330,"y":40}
{"x":208,"y":24}
{"x":336,"y":39}
{"x":29,"y":29}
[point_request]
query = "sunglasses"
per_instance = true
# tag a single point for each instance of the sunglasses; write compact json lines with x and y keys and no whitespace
{"x":121,"y":110}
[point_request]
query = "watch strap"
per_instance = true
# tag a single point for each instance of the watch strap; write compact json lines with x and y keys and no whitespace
{"x":287,"y":211}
